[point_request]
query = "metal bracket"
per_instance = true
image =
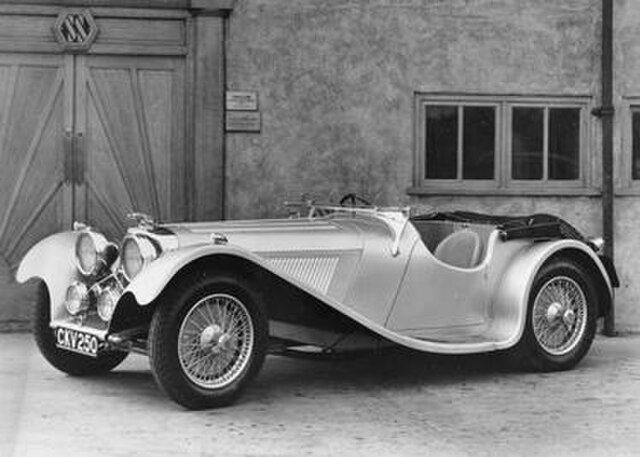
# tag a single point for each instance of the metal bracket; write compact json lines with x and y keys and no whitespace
{"x":396,"y":221}
{"x":73,"y":157}
{"x":68,"y":156}
{"x":78,"y":159}
{"x":603,"y":111}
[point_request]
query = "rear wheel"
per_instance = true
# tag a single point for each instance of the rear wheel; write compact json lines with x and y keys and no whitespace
{"x":208,"y":339}
{"x":66,"y":361}
{"x":561,"y":318}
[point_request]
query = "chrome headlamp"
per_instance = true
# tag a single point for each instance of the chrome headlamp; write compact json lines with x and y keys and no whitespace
{"x":93,"y":251}
{"x":106,"y":304}
{"x":137,"y":252}
{"x":76,"y":298}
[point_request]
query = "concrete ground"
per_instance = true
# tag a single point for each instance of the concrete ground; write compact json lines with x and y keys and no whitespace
{"x":396,"y":404}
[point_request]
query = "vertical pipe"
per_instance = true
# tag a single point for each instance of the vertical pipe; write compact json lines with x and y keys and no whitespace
{"x":226,"y":21}
{"x":607,"y":111}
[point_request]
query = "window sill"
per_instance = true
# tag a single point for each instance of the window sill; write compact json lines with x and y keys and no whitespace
{"x":500,"y":192}
{"x":631,"y":191}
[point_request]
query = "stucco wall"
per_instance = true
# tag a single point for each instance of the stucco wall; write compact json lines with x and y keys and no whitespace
{"x":336,"y":81}
{"x":627,"y":207}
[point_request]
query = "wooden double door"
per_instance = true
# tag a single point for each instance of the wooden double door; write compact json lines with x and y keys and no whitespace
{"x":88,"y":138}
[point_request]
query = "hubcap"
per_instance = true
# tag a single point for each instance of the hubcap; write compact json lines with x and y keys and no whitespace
{"x":554,"y":311}
{"x":215,"y":341}
{"x":559,"y":315}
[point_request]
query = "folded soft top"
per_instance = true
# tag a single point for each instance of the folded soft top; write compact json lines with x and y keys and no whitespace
{"x":535,"y":226}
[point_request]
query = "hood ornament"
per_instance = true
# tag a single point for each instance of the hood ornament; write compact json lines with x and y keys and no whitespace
{"x":144,"y":221}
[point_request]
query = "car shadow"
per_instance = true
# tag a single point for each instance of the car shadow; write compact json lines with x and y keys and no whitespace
{"x":397,"y":369}
{"x":390,"y":369}
{"x":132,"y":381}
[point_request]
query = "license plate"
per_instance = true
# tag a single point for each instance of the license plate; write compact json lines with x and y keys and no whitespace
{"x":76,"y":341}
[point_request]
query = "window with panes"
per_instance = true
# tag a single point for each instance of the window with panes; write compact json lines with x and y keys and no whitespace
{"x":509,"y":143}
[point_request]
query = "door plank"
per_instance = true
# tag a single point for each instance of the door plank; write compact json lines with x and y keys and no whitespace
{"x":106,"y":211}
{"x":104,"y":176}
{"x":8,"y":79}
{"x":34,"y":216}
{"x":100,"y":118}
{"x":21,"y":162}
{"x":117,"y":109}
{"x":132,"y":116}
{"x":155,"y":88}
{"x":143,"y":132}
{"x":42,"y":173}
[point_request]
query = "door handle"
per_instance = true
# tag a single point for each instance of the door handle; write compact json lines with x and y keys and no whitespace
{"x":78,"y":162}
{"x":68,"y":156}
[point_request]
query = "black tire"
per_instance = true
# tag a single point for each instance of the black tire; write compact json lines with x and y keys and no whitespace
{"x":538,"y":351}
{"x":66,"y":361}
{"x":185,"y":348}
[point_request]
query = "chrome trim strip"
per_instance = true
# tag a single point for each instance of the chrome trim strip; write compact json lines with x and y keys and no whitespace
{"x":267,"y":228}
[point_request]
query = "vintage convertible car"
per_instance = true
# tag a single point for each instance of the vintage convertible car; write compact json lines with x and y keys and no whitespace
{"x":207,"y":301}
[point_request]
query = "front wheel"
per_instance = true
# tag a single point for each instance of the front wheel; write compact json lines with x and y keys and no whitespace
{"x":561,"y":318}
{"x":208,"y":338}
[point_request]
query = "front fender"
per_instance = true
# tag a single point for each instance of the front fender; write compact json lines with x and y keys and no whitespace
{"x":52,"y":260}
{"x":512,"y":299}
{"x":152,"y":280}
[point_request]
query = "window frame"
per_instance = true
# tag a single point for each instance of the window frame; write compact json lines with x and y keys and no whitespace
{"x":627,"y":185}
{"x":503,"y":184}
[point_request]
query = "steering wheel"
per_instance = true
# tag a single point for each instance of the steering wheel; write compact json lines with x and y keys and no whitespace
{"x":354,"y":200}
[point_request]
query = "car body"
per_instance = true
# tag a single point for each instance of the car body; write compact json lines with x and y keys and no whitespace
{"x":207,"y":300}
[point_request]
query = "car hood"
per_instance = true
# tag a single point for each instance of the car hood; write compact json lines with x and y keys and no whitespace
{"x":279,"y":235}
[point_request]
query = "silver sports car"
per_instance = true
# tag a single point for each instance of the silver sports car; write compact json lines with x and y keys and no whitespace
{"x":207,"y":301}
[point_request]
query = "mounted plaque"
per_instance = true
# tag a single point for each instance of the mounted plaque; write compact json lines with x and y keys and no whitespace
{"x":241,"y":101}
{"x":75,"y":30}
{"x":243,"y":121}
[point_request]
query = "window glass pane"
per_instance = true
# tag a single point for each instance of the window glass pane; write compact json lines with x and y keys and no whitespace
{"x":635,"y":144}
{"x":527,"y":138}
{"x":564,"y":143}
{"x":442,"y":142}
{"x":478,"y":142}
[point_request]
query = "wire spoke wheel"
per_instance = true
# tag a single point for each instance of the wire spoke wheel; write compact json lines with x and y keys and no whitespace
{"x":208,"y":339}
{"x":215,"y":341}
{"x":562,"y":311}
{"x":559,"y":315}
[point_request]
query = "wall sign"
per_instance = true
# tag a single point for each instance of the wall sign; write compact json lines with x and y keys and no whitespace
{"x":241,"y":101}
{"x":243,"y":121}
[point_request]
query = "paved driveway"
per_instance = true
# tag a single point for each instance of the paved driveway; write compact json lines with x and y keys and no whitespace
{"x":394,"y":404}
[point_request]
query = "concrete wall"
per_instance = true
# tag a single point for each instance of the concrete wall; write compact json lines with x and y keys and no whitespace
{"x":336,"y":81}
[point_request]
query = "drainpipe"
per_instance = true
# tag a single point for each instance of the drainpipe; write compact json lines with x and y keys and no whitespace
{"x":606,"y":114}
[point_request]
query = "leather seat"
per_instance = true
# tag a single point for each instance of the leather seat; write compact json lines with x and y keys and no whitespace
{"x":461,"y":249}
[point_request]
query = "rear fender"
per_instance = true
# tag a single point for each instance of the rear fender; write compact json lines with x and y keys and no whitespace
{"x":512,"y":299}
{"x":52,"y":260}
